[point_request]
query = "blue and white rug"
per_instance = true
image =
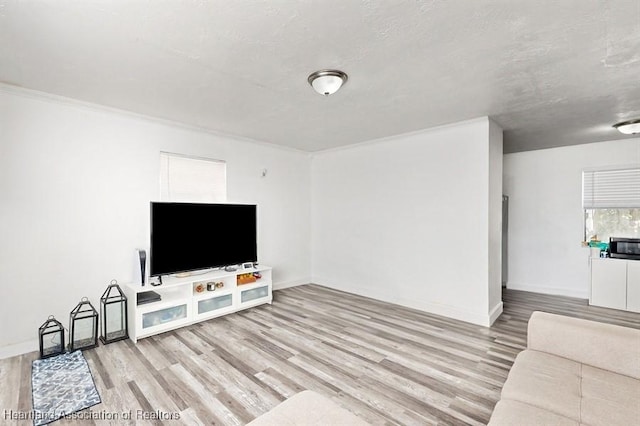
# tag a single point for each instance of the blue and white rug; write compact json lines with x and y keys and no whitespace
{"x":61,"y":385}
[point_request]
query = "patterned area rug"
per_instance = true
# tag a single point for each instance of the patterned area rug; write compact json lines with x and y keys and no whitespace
{"x":61,"y":385}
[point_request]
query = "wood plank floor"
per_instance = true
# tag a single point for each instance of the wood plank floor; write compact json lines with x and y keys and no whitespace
{"x":385,"y":363}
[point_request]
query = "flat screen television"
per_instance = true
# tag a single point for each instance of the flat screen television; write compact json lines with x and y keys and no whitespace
{"x":191,"y":236}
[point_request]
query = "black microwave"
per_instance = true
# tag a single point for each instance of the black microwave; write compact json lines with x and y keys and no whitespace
{"x":624,"y":248}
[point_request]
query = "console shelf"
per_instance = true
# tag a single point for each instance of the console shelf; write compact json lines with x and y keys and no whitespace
{"x":185,"y":300}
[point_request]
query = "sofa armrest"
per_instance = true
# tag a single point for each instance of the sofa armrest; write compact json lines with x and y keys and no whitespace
{"x":606,"y":346}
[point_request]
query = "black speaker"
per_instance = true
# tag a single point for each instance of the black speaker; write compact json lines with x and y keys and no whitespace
{"x":142,"y":256}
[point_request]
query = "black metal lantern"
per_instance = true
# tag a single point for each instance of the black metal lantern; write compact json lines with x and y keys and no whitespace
{"x":83,"y":326}
{"x":51,"y":336}
{"x":113,"y":314}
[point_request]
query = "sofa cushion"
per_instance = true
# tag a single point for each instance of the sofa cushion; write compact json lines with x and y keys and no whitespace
{"x":574,"y":371}
{"x":545,"y":381}
{"x":579,"y":392}
{"x":509,"y":412}
{"x":609,"y":398}
{"x":309,"y":409}
{"x":607,"y":346}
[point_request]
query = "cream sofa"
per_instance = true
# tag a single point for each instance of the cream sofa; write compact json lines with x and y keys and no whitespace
{"x":308,"y":408}
{"x":573,"y":372}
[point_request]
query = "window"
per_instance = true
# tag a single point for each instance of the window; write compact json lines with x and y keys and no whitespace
{"x":611,"y":202}
{"x":192,"y":179}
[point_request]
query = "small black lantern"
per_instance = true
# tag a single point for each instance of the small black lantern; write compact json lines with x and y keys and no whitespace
{"x":113,"y":314}
{"x":51,"y":336}
{"x":83,"y":326}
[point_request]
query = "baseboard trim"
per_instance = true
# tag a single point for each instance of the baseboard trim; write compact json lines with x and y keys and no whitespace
{"x":287,"y":284}
{"x":495,"y":313}
{"x":556,"y":291}
{"x":19,"y":349}
{"x":432,"y":308}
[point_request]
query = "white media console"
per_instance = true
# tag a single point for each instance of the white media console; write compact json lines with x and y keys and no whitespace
{"x":186,"y":300}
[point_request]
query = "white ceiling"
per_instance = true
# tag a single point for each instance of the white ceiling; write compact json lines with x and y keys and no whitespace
{"x":550,"y":73}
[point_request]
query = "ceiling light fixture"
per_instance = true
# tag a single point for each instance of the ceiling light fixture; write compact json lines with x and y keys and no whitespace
{"x":630,"y":127}
{"x":327,"y":82}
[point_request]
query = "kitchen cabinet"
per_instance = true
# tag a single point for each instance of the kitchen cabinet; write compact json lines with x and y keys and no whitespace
{"x":615,"y":283}
{"x":633,"y":285}
{"x":609,"y":283}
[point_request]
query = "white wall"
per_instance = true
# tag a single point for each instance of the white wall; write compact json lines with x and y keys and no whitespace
{"x":75,"y":185}
{"x":546,"y":222}
{"x":406,"y":220}
{"x":495,"y":221}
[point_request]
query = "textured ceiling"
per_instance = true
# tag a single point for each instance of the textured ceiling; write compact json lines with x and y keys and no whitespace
{"x":549,"y":72}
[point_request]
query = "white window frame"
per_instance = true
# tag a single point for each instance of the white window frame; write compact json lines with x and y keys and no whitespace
{"x":611,"y":187}
{"x":185,"y":178}
{"x":610,"y":191}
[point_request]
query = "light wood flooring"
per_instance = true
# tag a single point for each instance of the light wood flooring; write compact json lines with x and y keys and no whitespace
{"x":385,"y":363}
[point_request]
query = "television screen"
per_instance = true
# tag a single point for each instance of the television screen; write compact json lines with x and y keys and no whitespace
{"x":190,"y":236}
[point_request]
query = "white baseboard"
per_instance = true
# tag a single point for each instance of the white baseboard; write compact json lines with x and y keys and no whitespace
{"x":495,"y":313}
{"x":451,"y":312}
{"x":448,"y":311}
{"x":19,"y":349}
{"x":287,"y":284}
{"x":557,"y":291}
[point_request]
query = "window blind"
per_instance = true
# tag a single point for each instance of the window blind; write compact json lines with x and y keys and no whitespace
{"x":190,"y":179}
{"x":610,"y":189}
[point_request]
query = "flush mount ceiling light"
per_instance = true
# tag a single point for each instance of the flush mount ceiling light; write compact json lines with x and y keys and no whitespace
{"x":327,"y":82}
{"x":630,"y":127}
